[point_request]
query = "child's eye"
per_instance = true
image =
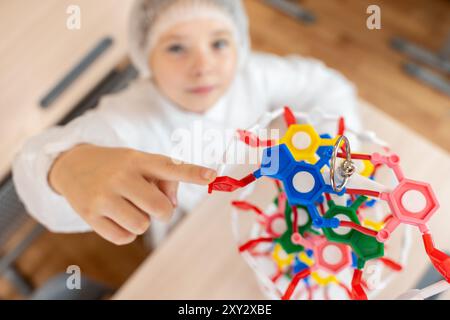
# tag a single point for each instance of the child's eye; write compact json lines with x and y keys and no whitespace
{"x":220,"y":44}
{"x":176,"y":48}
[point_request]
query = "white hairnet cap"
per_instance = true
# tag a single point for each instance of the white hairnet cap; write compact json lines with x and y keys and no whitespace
{"x":149,"y":18}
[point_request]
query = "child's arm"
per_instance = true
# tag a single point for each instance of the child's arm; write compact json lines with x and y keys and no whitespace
{"x":83,"y":176}
{"x":117,"y":190}
{"x":306,"y":84}
{"x":32,"y":164}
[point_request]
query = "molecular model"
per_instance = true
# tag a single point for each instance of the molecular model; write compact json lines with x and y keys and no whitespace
{"x":330,"y":215}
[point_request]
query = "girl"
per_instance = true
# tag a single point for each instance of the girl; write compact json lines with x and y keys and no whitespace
{"x":109,"y":170}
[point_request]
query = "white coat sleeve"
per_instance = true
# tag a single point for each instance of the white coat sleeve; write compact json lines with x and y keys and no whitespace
{"x":306,"y":84}
{"x":31,"y":166}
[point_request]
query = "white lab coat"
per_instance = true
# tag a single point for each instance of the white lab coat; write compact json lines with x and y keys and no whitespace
{"x":140,"y":117}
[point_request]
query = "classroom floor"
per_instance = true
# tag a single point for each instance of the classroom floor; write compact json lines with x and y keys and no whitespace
{"x":339,"y":38}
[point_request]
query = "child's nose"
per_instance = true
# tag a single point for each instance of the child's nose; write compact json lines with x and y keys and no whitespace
{"x":202,"y":63}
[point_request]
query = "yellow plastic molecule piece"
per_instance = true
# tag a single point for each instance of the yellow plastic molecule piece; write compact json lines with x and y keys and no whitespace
{"x":324,"y":281}
{"x":377,"y":226}
{"x":281,"y":258}
{"x":303,"y":141}
{"x":303,"y":257}
{"x":367,"y":168}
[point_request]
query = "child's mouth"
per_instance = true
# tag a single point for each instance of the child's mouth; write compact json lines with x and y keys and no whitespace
{"x":203,"y":90}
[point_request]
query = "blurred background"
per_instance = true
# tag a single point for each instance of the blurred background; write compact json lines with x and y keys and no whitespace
{"x":50,"y":73}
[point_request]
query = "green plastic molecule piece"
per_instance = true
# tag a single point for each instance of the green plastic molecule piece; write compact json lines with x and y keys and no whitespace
{"x":285,"y":239}
{"x":287,"y":245}
{"x":365,"y":247}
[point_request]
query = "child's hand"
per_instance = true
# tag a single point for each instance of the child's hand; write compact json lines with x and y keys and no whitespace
{"x":116,"y":190}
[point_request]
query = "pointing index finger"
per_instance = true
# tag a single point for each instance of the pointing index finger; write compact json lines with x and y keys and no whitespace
{"x":165,"y":168}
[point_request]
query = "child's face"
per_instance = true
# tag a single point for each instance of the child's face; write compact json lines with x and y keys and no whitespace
{"x":194,"y":63}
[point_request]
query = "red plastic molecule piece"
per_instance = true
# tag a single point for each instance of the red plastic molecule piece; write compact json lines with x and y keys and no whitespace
{"x":253,"y":140}
{"x":391,"y":264}
{"x":341,"y":126}
{"x":259,"y":253}
{"x":364,"y":192}
{"x":440,"y":260}
{"x":355,"y":156}
{"x":387,"y":218}
{"x":341,"y":131}
{"x":357,"y":289}
{"x":289,"y":117}
{"x":295,"y":220}
{"x":268,"y":221}
{"x":276,"y":276}
{"x":244,"y":205}
{"x":299,"y":276}
{"x":357,"y":227}
{"x":310,"y":292}
{"x":322,"y":208}
{"x":347,"y":290}
{"x":228,"y":184}
{"x":251,"y":243}
{"x":278,"y":184}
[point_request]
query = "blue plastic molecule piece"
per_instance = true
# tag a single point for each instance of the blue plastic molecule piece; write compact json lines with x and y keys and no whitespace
{"x":354,"y":260}
{"x":323,"y":150}
{"x":299,"y":266}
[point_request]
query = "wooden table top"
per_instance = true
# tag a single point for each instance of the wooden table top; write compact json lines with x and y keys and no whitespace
{"x":200,"y":260}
